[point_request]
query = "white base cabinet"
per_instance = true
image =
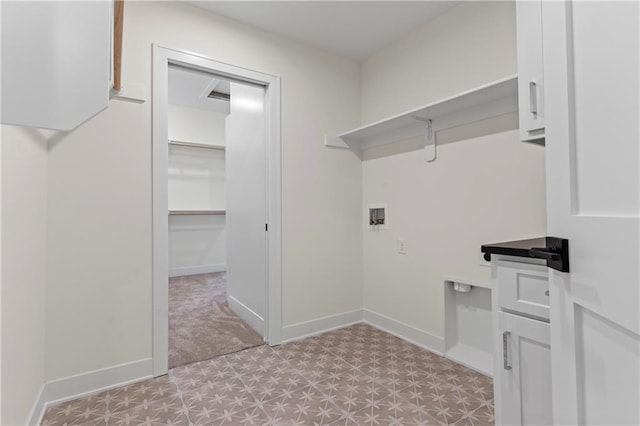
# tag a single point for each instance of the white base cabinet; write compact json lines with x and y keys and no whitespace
{"x":522,"y":350}
{"x":525,"y":373}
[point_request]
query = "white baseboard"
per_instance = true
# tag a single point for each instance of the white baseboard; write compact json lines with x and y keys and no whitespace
{"x":404,"y":331}
{"x":320,"y":325}
{"x":85,"y":384}
{"x":254,"y":320}
{"x":193,"y":270}
{"x":38,"y":409}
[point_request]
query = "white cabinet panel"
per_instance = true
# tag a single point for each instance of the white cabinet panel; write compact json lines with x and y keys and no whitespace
{"x":524,"y":288}
{"x":525,"y":373}
{"x":55,"y":62}
{"x":530,"y":70}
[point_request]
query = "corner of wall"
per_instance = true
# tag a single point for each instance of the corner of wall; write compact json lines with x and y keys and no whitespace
{"x":1,"y":287}
{"x":23,"y":205}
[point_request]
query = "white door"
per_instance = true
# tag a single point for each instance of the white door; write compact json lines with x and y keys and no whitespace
{"x":246,"y":205}
{"x":592,"y":147}
{"x":525,"y":382}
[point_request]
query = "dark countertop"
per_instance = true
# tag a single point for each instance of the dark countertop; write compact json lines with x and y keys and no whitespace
{"x":518,"y":248}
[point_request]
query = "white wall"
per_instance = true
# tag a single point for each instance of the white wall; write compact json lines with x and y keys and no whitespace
{"x":197,"y":244}
{"x":485,"y":186}
{"x":24,"y":210}
{"x":196,"y":175}
{"x":196,"y":182}
{"x":99,"y":289}
{"x":1,"y":376}
{"x":195,"y":125}
{"x":98,"y":311}
{"x":472,"y":44}
{"x":196,"y":179}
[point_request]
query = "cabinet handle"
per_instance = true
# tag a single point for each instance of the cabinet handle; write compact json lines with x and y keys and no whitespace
{"x":533,"y":98}
{"x":506,"y":359}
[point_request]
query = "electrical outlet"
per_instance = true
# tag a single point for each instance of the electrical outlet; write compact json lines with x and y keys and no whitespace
{"x":402,"y":246}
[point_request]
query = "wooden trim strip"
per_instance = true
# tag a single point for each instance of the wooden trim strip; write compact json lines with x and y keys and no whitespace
{"x":118,"y":21}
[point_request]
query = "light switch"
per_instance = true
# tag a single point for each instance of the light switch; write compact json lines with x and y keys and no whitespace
{"x":402,"y":246}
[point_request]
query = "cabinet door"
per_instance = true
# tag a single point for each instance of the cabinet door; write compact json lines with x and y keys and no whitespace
{"x":530,"y":69}
{"x":592,"y":73}
{"x":525,"y":372}
{"x":55,"y":62}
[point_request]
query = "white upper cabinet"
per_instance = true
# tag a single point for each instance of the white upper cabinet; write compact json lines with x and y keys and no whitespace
{"x":530,"y":70}
{"x":55,"y":62}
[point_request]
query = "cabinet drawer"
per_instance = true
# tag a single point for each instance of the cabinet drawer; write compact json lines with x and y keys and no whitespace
{"x":523,"y":288}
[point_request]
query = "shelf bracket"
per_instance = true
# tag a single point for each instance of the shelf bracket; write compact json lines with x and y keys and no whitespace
{"x":429,"y":140}
{"x":430,"y":143}
{"x":334,"y":141}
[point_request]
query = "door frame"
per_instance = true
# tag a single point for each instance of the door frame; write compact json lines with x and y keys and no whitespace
{"x":162,"y":58}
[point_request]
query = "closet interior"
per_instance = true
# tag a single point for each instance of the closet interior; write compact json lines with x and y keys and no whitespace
{"x":201,"y":324}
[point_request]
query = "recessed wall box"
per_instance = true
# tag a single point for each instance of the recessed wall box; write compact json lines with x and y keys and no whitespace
{"x":376,"y":216}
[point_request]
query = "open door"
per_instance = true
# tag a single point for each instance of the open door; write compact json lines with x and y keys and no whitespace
{"x":592,"y":146}
{"x":246,"y":205}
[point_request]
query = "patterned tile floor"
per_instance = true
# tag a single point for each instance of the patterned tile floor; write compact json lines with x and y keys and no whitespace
{"x":357,"y":375}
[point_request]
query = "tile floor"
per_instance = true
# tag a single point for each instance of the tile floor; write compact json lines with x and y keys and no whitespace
{"x":357,"y":375}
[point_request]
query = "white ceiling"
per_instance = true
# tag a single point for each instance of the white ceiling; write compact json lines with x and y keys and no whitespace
{"x":354,"y":29}
{"x":191,"y":88}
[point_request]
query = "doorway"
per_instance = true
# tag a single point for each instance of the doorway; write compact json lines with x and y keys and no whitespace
{"x":246,"y":201}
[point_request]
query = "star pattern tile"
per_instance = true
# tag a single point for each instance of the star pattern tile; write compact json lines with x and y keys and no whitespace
{"x":357,"y":375}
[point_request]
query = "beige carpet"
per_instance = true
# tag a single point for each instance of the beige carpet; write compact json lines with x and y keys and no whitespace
{"x":201,"y":325}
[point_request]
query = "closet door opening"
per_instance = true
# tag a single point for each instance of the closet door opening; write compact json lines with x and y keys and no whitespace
{"x":217,"y":206}
{"x":216,"y":262}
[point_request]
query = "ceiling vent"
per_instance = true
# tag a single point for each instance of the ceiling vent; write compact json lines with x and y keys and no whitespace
{"x":219,"y":95}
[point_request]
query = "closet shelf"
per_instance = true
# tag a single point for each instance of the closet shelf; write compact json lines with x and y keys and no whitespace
{"x":197,"y":212}
{"x":197,"y":145}
{"x":490,"y":100}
